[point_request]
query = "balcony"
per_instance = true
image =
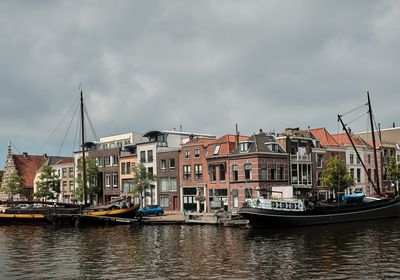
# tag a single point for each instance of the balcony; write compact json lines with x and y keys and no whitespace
{"x":298,"y":157}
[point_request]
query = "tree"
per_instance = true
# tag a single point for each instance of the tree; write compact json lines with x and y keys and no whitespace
{"x":393,"y":170}
{"x":14,"y":185}
{"x":142,"y":179}
{"x":48,"y":186}
{"x":91,"y":175}
{"x":336,"y":176}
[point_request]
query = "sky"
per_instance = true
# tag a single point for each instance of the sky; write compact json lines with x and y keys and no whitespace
{"x":202,"y":65}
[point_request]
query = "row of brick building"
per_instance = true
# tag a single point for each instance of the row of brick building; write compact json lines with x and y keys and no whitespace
{"x":204,"y":173}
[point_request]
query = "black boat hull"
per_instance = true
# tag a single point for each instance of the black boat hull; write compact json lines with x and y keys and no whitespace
{"x":322,"y":215}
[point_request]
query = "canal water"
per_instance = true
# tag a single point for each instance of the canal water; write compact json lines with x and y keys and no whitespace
{"x":365,"y":250}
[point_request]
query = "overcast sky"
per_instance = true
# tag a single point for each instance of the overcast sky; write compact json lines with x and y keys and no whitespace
{"x":205,"y":65}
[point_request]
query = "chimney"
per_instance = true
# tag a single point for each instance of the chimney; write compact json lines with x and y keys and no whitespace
{"x":261,"y":130}
{"x":394,"y":125}
{"x":45,"y":155}
{"x":25,"y":154}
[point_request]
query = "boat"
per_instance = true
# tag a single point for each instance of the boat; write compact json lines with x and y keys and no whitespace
{"x":267,"y":210}
{"x":264,"y":212}
{"x":117,"y":209}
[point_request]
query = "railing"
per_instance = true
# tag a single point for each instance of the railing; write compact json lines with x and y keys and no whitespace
{"x":298,"y":157}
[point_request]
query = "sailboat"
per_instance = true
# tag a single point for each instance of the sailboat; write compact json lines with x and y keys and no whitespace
{"x":267,"y":212}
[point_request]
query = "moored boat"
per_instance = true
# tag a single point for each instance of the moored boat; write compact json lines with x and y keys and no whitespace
{"x":120,"y":210}
{"x":263,"y":212}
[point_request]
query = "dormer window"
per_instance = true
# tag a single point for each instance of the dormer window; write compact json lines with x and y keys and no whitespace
{"x":272,"y":146}
{"x":217,"y":148}
{"x":244,"y":146}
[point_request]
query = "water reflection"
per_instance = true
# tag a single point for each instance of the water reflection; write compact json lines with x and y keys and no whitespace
{"x":345,"y":251}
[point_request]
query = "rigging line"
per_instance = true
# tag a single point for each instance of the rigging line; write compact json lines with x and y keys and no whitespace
{"x":378,"y":129}
{"x":355,"y":109}
{"x":59,"y":124}
{"x":66,"y":133}
{"x":357,"y":118}
{"x":76,"y":133}
{"x":12,"y":144}
{"x":90,"y":123}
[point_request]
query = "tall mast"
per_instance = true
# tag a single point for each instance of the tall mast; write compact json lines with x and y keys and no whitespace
{"x":374,"y":145}
{"x":83,"y":153}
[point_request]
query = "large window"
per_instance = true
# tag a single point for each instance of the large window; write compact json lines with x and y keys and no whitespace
{"x":196,"y":153}
{"x":142,"y":156}
{"x":198,"y":171}
{"x":213,"y":173}
{"x":108,"y":180}
{"x":172,"y":164}
{"x":187,"y":154}
{"x":163,"y":164}
{"x":115,"y":180}
{"x":273,"y":171}
{"x":358,"y":175}
{"x":247,"y":171}
{"x":186,"y":172}
{"x":222,"y":172}
{"x":127,"y":186}
{"x":281,"y":172}
{"x":263,"y":171}
{"x":168,"y":184}
{"x":235,"y":176}
{"x":107,"y":161}
{"x":351,"y":158}
{"x":150,"y":155}
{"x":115,"y":160}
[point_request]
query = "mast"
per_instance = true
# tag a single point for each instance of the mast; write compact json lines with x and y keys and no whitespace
{"x":358,"y":155}
{"x":83,"y":153}
{"x":374,"y":145}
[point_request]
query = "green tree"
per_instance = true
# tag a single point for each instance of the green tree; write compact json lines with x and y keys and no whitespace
{"x":92,"y":172}
{"x":14,"y":185}
{"x":336,"y":176}
{"x":142,"y":179}
{"x":48,"y":186}
{"x":393,"y":170}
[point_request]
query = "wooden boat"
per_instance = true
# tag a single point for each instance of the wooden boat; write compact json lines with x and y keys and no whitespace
{"x":112,"y":210}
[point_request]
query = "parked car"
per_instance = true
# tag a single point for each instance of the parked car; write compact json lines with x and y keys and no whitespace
{"x":150,"y":210}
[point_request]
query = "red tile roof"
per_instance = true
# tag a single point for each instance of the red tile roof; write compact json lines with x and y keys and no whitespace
{"x":325,"y":138}
{"x":227,"y":143}
{"x":198,"y":140}
{"x":27,"y":166}
{"x":343,"y":139}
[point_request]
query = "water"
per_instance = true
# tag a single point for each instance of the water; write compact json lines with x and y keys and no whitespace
{"x":346,"y":251}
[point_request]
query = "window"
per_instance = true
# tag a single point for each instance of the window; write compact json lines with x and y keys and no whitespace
{"x":173,"y":184}
{"x":150,"y":170}
{"x":198,"y":171}
{"x":319,"y":160}
{"x":71,"y":186}
{"x":127,"y":186}
{"x":244,"y":147}
{"x":101,"y":161}
{"x":351,"y":158}
{"x":213,"y":173}
{"x":163,"y":164}
{"x":150,"y":156}
{"x":263,"y":171}
{"x":142,"y":156}
{"x":186,"y":172}
{"x":352,"y":172}
{"x":115,"y":180}
{"x":164,"y":182}
{"x":248,"y":193}
{"x":358,"y":160}
{"x":164,"y":201}
{"x":247,"y":171}
{"x":107,"y":161}
{"x":235,"y":176}
{"x":369,"y":159}
{"x":71,"y":172}
{"x":273,"y":171}
{"x":196,"y":153}
{"x":281,"y":172}
{"x":64,"y":173}
{"x":358,"y":175}
{"x":115,"y":160}
{"x":64,"y":186}
{"x":123,"y":168}
{"x":172,"y":164}
{"x":222,"y":172}
{"x":168,"y":184}
{"x":128,"y":168}
{"x":217,"y":148}
{"x":187,"y":154}
{"x":108,"y":180}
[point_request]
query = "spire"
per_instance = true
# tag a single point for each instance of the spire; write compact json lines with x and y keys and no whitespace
{"x":9,"y":153}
